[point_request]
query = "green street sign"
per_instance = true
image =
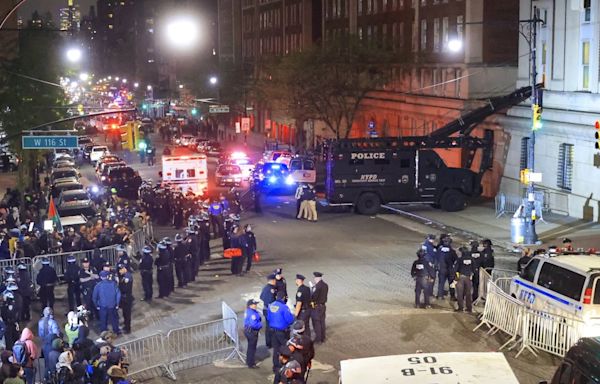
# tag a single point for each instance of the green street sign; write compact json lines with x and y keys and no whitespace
{"x":48,"y":142}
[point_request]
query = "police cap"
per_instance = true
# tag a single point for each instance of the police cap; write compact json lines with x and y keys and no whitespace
{"x":487,"y":242}
{"x":85,"y":260}
{"x":271,"y":276}
{"x":430,"y":237}
{"x":300,"y":277}
{"x":566,"y":240}
{"x":317,"y":274}
{"x":178,"y":238}
{"x":71,"y":259}
{"x":106,"y":264}
{"x":45,"y":261}
{"x":120,"y":248}
{"x":121,"y":266}
{"x":251,"y":302}
{"x":147,"y":249}
{"x":278,"y":271}
{"x":474,"y":243}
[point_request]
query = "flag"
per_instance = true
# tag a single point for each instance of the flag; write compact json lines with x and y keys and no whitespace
{"x":53,"y":215}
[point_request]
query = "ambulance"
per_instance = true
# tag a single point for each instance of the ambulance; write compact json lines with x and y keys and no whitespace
{"x":187,"y":170}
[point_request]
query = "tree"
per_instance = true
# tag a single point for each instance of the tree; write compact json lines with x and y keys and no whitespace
{"x":25,"y":102}
{"x":325,"y":83}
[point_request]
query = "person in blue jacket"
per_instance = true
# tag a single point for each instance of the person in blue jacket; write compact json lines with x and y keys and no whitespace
{"x":106,"y":298}
{"x":252,"y":326}
{"x":279,"y":318}
{"x":267,"y":295}
{"x":215,"y":210}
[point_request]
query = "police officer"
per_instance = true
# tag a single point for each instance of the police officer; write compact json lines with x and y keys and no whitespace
{"x":463,"y":268}
{"x":180,"y":253}
{"x":171,"y":254}
{"x":106,"y":297}
{"x":123,"y":257}
{"x":252,"y":327}
{"x":446,"y":256}
{"x":227,"y":227}
{"x":249,"y":245}
{"x":524,"y":260}
{"x":237,"y":263}
{"x":46,"y":280}
{"x":88,"y":280}
{"x":26,"y":289}
{"x":430,"y":256}
{"x":74,"y":287}
{"x":487,"y":256}
{"x":146,"y":265}
{"x":256,"y":196}
{"x":476,"y":257}
{"x":280,"y":283}
{"x":302,"y":308}
{"x":267,"y":296}
{"x":215,"y":211}
{"x":10,"y":315}
{"x":279,"y":318}
{"x":318,"y":301}
{"x":422,"y":271}
{"x":126,"y":288}
{"x":162,"y":271}
{"x":194,"y":249}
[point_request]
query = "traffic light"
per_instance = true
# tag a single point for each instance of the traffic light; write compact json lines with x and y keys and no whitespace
{"x":142,"y":145}
{"x":126,"y":137}
{"x":537,"y":116}
{"x":144,"y":106}
{"x":194,"y":111}
{"x":597,"y":125}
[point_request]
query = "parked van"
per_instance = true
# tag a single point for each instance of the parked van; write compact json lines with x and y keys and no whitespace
{"x":567,"y":285}
{"x":303,"y":170}
{"x":581,"y":364}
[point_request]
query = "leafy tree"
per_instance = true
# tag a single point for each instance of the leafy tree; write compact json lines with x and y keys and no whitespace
{"x":325,"y":83}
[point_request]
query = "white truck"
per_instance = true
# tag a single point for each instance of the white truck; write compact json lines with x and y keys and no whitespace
{"x":185,"y":169}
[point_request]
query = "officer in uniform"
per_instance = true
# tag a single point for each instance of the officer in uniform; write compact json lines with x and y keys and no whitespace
{"x":162,"y":271}
{"x":487,"y":256}
{"x":279,"y":318}
{"x":252,"y":327}
{"x":463,"y":268}
{"x":267,"y":296}
{"x":26,"y":289}
{"x":204,"y":239}
{"x":302,"y":309}
{"x":280,"y":283}
{"x":46,"y":280}
{"x":194,"y":257}
{"x":88,"y":280}
{"x":249,"y":245}
{"x":227,"y":227}
{"x":146,"y":265}
{"x":180,"y":253}
{"x":171,"y":268}
{"x":10,"y":315}
{"x":446,"y":256}
{"x":422,"y":271}
{"x":72,"y":279}
{"x":318,"y":300}
{"x":126,"y":288}
{"x":123,"y":257}
{"x":430,"y":256}
{"x":476,"y":257}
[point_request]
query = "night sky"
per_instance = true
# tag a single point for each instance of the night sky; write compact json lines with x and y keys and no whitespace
{"x":53,"y":6}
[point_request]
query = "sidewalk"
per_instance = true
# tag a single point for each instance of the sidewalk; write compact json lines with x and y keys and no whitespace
{"x":479,"y":219}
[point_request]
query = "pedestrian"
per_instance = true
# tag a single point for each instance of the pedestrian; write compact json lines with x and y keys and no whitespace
{"x":48,"y":330}
{"x":446,"y":256}
{"x":302,"y":345}
{"x":430,"y":256}
{"x":46,"y":280}
{"x":312,"y":203}
{"x":71,"y":328}
{"x":146,"y":265}
{"x":475,"y":265}
{"x":524,"y":260}
{"x":302,"y":308}
{"x":179,"y":254}
{"x":487,"y":256}
{"x":279,"y":318}
{"x":126,"y":302}
{"x":106,"y":298}
{"x":248,"y":245}
{"x":267,"y":296}
{"x":422,"y":271}
{"x":463,"y":268}
{"x":289,"y":371}
{"x":26,"y":289}
{"x":298,"y":197}
{"x":252,"y":327}
{"x":162,"y":271}
{"x":204,"y":239}
{"x":280,"y":283}
{"x":31,"y":354}
{"x":318,"y":299}
{"x":88,"y":280}
{"x":256,"y":197}
{"x":71,"y":276}
{"x":51,"y":358}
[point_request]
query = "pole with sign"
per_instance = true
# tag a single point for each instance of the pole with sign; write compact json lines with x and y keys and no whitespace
{"x":48,"y":142}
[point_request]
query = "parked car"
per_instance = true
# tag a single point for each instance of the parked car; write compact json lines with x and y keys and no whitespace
{"x":64,"y":172}
{"x":581,"y":364}
{"x":97,"y":152}
{"x":228,"y":174}
{"x":245,"y":164}
{"x":184,"y":140}
{"x":87,"y":150}
{"x":82,"y":141}
{"x":104,"y":174}
{"x":125,"y":181}
{"x":13,"y":160}
{"x":59,"y":187}
{"x":75,"y":202}
{"x":63,"y":163}
{"x":213,"y":149}
{"x":273,"y":176}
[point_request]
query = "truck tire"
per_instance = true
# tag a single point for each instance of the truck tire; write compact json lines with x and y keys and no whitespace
{"x":453,"y":201}
{"x":368,"y":204}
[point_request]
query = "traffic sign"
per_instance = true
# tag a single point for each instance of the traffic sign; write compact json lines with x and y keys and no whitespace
{"x":245,"y":124}
{"x":218,"y":109}
{"x":48,"y":142}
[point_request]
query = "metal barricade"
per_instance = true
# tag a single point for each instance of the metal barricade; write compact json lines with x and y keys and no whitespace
{"x":507,"y":204}
{"x":503,"y":284}
{"x":14,"y":262}
{"x":549,"y":332}
{"x":149,"y":231}
{"x":498,"y":273}
{"x":484,"y":278}
{"x":199,"y":344}
{"x":147,"y":357}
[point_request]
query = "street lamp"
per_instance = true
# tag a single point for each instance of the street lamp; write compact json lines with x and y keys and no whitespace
{"x":455,"y":45}
{"x":213,"y":80}
{"x":74,"y":55}
{"x":124,"y":81}
{"x":180,"y":86}
{"x":183,"y":32}
{"x":135,"y":85}
{"x":149,"y":87}
{"x":84,"y":76}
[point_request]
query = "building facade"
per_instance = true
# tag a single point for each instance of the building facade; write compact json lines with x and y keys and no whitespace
{"x":565,"y":154}
{"x":9,"y":40}
{"x":69,"y":18}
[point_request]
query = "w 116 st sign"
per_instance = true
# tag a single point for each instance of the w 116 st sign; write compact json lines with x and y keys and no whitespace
{"x":48,"y":142}
{"x":218,"y":109}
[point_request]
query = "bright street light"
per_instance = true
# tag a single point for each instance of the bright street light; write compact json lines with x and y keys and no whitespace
{"x":117,"y":78}
{"x":183,"y":32}
{"x":109,"y":77}
{"x":84,"y":76}
{"x":124,"y":81}
{"x":213,"y":80}
{"x":74,"y":55}
{"x":455,"y":45}
{"x":180,"y":86}
{"x":135,"y":85}
{"x":149,"y":87}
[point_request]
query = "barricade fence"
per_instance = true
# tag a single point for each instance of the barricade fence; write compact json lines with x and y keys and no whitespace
{"x":509,"y":204}
{"x":484,"y":278}
{"x":146,"y":357}
{"x":13,"y":263}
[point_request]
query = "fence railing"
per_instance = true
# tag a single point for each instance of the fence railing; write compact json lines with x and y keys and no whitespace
{"x":484,"y":278}
{"x":147,"y":357}
{"x":28,"y":262}
{"x":509,"y":204}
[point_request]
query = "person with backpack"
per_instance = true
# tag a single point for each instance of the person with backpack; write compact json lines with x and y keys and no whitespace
{"x":25,"y":353}
{"x":48,"y":330}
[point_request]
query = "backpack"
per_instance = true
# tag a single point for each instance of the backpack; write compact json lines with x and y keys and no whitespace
{"x":20,"y":352}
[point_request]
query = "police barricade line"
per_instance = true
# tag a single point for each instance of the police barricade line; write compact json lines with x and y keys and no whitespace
{"x":138,"y":241}
{"x":199,"y":344}
{"x":13,"y":263}
{"x":230,"y":328}
{"x":507,"y":204}
{"x":498,"y":273}
{"x":549,"y":332}
{"x":149,"y":231}
{"x":484,"y":278}
{"x":502,"y":313}
{"x":147,"y":357}
{"x":503,"y":284}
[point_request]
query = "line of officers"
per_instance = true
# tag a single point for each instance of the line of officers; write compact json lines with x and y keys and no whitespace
{"x":460,"y":270}
{"x":292,"y":352}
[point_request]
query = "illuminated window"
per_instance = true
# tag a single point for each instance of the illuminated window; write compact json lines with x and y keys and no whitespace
{"x":436,"y":35}
{"x":585,"y":65}
{"x":423,"y":35}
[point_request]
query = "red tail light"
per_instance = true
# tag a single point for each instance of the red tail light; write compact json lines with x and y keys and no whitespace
{"x":587,"y":296}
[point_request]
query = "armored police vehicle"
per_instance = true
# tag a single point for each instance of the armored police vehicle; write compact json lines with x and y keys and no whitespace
{"x":366,"y":173}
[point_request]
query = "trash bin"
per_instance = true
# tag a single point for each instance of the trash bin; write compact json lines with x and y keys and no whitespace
{"x":517,"y":230}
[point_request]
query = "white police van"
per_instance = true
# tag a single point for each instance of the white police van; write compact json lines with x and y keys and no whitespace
{"x":565,"y":285}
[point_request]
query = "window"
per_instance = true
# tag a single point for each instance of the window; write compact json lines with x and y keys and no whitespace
{"x":529,"y":271}
{"x":369,"y":7}
{"x":360,"y":7}
{"x":375,"y":6}
{"x":587,"y":10}
{"x":436,"y":35}
{"x":597,"y":292}
{"x":585,"y":65}
{"x":561,"y":280}
{"x":460,"y":25}
{"x":544,"y":51}
{"x":423,"y":35}
{"x":565,"y":167}
{"x":401,"y":35}
{"x":444,"y":33}
{"x":524,"y":153}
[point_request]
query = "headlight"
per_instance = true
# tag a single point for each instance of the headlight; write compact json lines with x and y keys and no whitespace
{"x":289,"y":180}
{"x":95,"y":188}
{"x":261,"y":177}
{"x":102,"y":178}
{"x":272,"y":179}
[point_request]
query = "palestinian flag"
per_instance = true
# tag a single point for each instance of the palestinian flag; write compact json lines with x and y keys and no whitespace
{"x":53,"y":215}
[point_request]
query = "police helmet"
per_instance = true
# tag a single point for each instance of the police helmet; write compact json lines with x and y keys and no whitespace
{"x":10,"y":279}
{"x":9,"y":270}
{"x":45,"y":261}
{"x":120,"y":248}
{"x":8,"y":295}
{"x":147,"y":249}
{"x":162,"y":245}
{"x":430,"y":237}
{"x":21,"y":267}
{"x":189,"y":231}
{"x":71,"y":259}
{"x":167,"y":241}
{"x":178,"y":238}
{"x":12,"y":287}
